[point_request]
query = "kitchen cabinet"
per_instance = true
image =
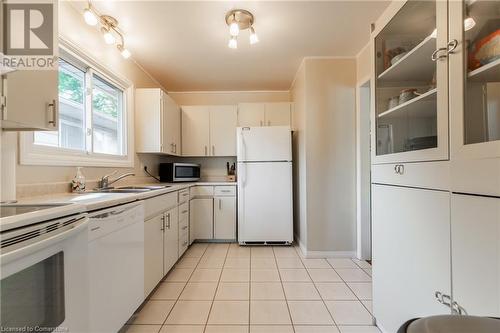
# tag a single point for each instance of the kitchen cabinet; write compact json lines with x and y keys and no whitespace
{"x":153,"y":253}
{"x":223,"y":123}
{"x":264,"y":114}
{"x":224,"y":218}
{"x":475,"y":250}
{"x":209,"y":130}
{"x":475,"y":98}
{"x":30,"y":100}
{"x":201,"y":212}
{"x":410,"y":85}
{"x":411,"y":253}
{"x":170,"y":239}
{"x":157,"y":122}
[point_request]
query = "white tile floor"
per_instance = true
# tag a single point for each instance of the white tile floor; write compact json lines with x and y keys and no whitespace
{"x":225,"y":288}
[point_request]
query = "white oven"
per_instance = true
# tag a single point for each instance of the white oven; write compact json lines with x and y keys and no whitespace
{"x":44,"y":281}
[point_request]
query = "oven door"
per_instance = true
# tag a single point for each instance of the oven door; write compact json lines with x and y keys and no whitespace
{"x":185,"y":172}
{"x":44,"y":284}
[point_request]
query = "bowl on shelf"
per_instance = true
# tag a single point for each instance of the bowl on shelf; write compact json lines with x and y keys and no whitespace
{"x":408,"y":94}
{"x":393,"y":102}
{"x":398,"y":57}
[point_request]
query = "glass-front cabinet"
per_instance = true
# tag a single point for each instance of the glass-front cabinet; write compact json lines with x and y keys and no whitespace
{"x":475,"y":79}
{"x":411,"y":84}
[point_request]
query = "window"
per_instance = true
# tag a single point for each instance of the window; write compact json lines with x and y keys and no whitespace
{"x":93,"y":118}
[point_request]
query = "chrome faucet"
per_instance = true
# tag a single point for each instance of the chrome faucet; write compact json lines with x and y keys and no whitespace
{"x":104,"y":182}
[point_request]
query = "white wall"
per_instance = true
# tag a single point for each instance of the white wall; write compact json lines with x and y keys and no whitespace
{"x":325,"y":118}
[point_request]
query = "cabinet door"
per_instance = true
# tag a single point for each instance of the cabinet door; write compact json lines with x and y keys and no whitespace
{"x":201,"y":212}
{"x":171,"y":239}
{"x":475,"y":253}
{"x":225,"y":218}
{"x":411,"y":253}
{"x":32,"y":100}
{"x":223,"y":122}
{"x":153,"y":253}
{"x":149,"y":121}
{"x":251,"y":114}
{"x":278,"y":114}
{"x":195,"y":130}
{"x":171,"y":126}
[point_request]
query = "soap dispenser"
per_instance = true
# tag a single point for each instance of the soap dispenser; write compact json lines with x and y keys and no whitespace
{"x":78,"y":182}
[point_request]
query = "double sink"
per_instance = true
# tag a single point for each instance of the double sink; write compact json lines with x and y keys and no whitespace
{"x":131,"y":189}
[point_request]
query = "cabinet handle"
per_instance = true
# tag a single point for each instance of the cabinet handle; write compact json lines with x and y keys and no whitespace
{"x":205,"y":150}
{"x":95,"y":228}
{"x":184,"y":211}
{"x":213,"y":150}
{"x":435,"y":55}
{"x":168,"y":219}
{"x":268,"y":123}
{"x":162,"y":223}
{"x":220,"y":204}
{"x":185,"y":227}
{"x":399,"y":169}
{"x":52,"y":108}
{"x":452,"y":45}
{"x":261,"y":123}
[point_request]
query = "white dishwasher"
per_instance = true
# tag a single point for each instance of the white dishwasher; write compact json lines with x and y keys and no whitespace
{"x":116,"y":266}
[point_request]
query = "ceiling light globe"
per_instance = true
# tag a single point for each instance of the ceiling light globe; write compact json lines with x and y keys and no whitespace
{"x":233,"y":43}
{"x":469,"y":23}
{"x":109,"y":38}
{"x":254,"y":39}
{"x":89,"y":17}
{"x":125,"y":53}
{"x":234,"y":29}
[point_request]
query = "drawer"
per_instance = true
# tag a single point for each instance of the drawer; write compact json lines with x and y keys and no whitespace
{"x":202,"y":191}
{"x":154,"y":206}
{"x":225,"y":191}
{"x":183,"y":226}
{"x":184,"y":211}
{"x":183,"y":195}
{"x":432,"y":175}
{"x":183,"y":243}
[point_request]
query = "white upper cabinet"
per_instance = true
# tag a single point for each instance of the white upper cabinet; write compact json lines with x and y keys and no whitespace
{"x":195,"y":130}
{"x":264,"y":114}
{"x":157,"y":122}
{"x":251,"y":114}
{"x":410,"y":86}
{"x":30,"y":100}
{"x":475,"y":97}
{"x":209,"y":130}
{"x":278,"y":114}
{"x":223,"y":123}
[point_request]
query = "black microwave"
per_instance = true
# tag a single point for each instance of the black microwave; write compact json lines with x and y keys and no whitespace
{"x":179,"y":172}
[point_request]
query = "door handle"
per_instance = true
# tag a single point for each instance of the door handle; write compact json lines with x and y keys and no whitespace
{"x":435,"y":55}
{"x":452,"y":45}
{"x":52,"y":108}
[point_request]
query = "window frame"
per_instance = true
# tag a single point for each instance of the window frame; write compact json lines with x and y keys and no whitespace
{"x":34,"y":154}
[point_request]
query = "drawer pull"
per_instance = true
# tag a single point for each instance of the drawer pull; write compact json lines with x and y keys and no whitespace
{"x":184,"y":228}
{"x":225,"y":191}
{"x":399,"y":169}
{"x":184,"y":211}
{"x":95,"y":228}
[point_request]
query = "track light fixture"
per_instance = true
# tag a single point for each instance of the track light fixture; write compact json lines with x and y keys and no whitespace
{"x":238,"y":20}
{"x":109,"y":28}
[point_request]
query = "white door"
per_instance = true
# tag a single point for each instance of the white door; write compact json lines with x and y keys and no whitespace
{"x":195,"y":130}
{"x":251,"y":114}
{"x":225,"y":218}
{"x":171,"y":125}
{"x":153,"y":253}
{"x":265,"y":202}
{"x":171,"y":240}
{"x":475,"y":253}
{"x":32,"y":99}
{"x":201,"y":212}
{"x":223,"y":120}
{"x":278,"y":114}
{"x":264,"y":143}
{"x":411,"y":253}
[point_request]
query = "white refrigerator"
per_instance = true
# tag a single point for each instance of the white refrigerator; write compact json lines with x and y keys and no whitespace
{"x":265,"y":211}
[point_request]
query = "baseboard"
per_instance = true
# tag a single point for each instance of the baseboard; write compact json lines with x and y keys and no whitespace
{"x":323,"y":254}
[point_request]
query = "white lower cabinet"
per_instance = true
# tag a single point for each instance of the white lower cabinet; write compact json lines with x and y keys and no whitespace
{"x":475,"y":249}
{"x":224,"y":218}
{"x":170,"y":239}
{"x":201,"y":212}
{"x":153,"y":252}
{"x":411,"y":253}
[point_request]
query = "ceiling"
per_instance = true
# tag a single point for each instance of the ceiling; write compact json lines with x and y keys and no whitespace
{"x":183,"y":44}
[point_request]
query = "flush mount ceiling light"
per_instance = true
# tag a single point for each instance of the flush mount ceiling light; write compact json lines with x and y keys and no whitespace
{"x":238,"y":20}
{"x":109,"y":28}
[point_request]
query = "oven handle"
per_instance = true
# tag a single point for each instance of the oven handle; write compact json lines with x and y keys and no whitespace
{"x":78,"y":226}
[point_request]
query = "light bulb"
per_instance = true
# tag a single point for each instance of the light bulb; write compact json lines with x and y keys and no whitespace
{"x":253,"y":37}
{"x":234,"y":29}
{"x":109,"y":38}
{"x":469,"y":23}
{"x":126,"y":54}
{"x":89,"y":17}
{"x":233,"y":43}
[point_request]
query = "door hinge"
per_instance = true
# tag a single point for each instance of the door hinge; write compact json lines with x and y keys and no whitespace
{"x":3,"y":106}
